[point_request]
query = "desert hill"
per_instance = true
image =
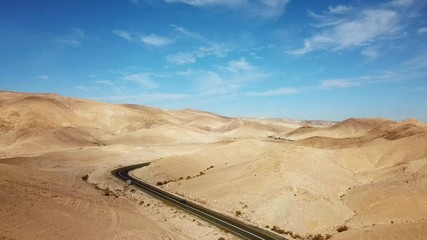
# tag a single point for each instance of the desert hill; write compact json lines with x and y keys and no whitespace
{"x":29,"y":121}
{"x":349,"y":128}
{"x":312,"y":177}
{"x":371,"y":133}
{"x":359,"y":125}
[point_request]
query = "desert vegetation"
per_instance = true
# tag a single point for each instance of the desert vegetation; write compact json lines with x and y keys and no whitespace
{"x":300,"y":236}
{"x":201,"y":173}
{"x":342,"y":228}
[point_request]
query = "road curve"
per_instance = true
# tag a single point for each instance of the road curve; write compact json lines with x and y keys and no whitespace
{"x":234,"y":226}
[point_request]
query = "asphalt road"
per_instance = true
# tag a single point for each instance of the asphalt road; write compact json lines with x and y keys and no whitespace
{"x":232,"y":225}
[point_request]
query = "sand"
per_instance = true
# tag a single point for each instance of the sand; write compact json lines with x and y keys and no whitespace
{"x":305,"y":177}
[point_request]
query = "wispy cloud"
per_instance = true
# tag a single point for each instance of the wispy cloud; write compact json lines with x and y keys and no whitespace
{"x":70,"y":42}
{"x":422,"y":30}
{"x":182,"y":58}
{"x":243,"y":71}
{"x":78,"y":32}
{"x":144,"y":98}
{"x":201,"y":52}
{"x":413,"y":69}
{"x":81,"y":88}
{"x":339,"y":9}
{"x":375,"y":78}
{"x":268,"y":8}
{"x":188,"y":33}
{"x":338,"y":83}
{"x":212,"y":83}
{"x":73,"y":38}
{"x":360,"y":27}
{"x":274,"y":92}
{"x":421,"y":89}
{"x":211,"y":48}
{"x":156,"y":40}
{"x":43,"y":77}
{"x":123,"y":34}
{"x":401,"y":3}
{"x":239,"y":65}
{"x":209,"y":3}
{"x":117,"y":89}
{"x":94,"y":75}
{"x":370,"y":52}
{"x":227,"y":79}
{"x":142,"y":79}
{"x":257,"y":8}
{"x":415,"y":64}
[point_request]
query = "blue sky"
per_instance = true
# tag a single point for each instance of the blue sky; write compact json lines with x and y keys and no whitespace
{"x":262,"y":58}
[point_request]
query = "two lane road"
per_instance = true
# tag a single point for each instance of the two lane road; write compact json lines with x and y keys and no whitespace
{"x":237,"y":227}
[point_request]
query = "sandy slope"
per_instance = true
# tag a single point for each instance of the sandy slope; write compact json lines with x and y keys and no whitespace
{"x":39,"y":204}
{"x":316,"y":184}
{"x":367,"y":174}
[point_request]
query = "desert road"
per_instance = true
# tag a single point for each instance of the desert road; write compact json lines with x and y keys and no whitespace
{"x":234,"y":226}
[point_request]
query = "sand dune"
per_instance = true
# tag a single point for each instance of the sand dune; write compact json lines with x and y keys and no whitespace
{"x":366,"y":174}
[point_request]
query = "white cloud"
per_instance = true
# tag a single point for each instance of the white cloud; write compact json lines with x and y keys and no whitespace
{"x":274,"y":92}
{"x":412,"y":69}
{"x":106,"y":82}
{"x":73,"y":38}
{"x":269,"y":8}
{"x":420,"y":89}
{"x":123,"y":34}
{"x":416,"y":64}
{"x":401,"y":3}
{"x":243,"y":71}
{"x":116,"y":89}
{"x":186,"y":72}
{"x":239,"y":65}
{"x":155,"y":40}
{"x":422,"y":30}
{"x":78,"y":32}
{"x":201,"y":52}
{"x":187,"y":33}
{"x":352,"y":30}
{"x":43,"y":77}
{"x":256,"y":8}
{"x":143,"y":98}
{"x":70,"y":42}
{"x":141,"y":78}
{"x":227,"y":80}
{"x":338,"y":83}
{"x":215,"y":50}
{"x":370,"y":52}
{"x":209,"y":3}
{"x":181,"y":58}
{"x":339,"y":9}
{"x":82,"y":88}
{"x":210,"y":83}
{"x":186,"y":57}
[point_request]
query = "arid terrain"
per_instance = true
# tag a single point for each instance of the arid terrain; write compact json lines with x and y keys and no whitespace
{"x":354,"y":179}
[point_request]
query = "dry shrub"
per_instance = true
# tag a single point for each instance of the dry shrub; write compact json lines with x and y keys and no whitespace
{"x":85,"y":177}
{"x":342,"y":228}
